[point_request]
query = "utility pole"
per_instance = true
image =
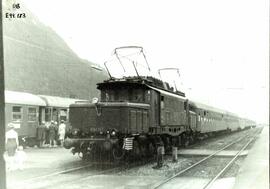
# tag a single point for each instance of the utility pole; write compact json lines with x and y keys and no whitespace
{"x":2,"y":108}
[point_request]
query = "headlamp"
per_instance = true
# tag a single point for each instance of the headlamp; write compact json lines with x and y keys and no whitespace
{"x":113,"y":133}
{"x":75,"y":132}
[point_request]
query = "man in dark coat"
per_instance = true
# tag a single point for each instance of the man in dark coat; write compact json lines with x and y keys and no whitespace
{"x":52,"y":134}
{"x":41,"y":134}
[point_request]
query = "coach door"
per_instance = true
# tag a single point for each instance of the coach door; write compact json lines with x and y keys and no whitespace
{"x":193,"y":120}
{"x":41,"y":117}
{"x":32,"y":120}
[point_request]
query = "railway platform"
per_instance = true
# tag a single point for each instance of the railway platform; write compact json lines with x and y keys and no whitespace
{"x":254,"y":172}
{"x":40,"y":162}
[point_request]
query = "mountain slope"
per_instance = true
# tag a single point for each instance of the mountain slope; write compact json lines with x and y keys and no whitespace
{"x":37,"y":60}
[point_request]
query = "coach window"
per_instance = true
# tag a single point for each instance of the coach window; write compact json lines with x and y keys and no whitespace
{"x":32,"y":114}
{"x":16,"y":113}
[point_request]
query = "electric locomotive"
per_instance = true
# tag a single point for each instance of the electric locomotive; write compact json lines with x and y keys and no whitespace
{"x":137,"y":114}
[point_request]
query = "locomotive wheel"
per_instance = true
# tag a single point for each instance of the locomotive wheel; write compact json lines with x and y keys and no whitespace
{"x":118,"y":153}
{"x":84,"y":153}
{"x":83,"y":156}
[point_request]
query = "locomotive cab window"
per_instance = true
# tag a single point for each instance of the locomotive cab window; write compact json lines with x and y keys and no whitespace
{"x":121,"y":95}
{"x":114,"y":95}
{"x":147,"y":95}
{"x":137,"y":95}
{"x":107,"y":95}
{"x":125,"y":95}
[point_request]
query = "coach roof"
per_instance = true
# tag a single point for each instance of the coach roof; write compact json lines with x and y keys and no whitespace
{"x":210,"y":108}
{"x":60,"y":102}
{"x":14,"y":97}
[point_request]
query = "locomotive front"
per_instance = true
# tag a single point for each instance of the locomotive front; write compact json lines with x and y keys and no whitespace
{"x":109,"y":125}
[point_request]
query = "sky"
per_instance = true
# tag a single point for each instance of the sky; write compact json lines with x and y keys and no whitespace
{"x":220,"y":47}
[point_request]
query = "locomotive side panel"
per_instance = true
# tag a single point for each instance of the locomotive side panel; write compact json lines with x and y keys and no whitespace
{"x":172,"y":112}
{"x":82,"y":118}
{"x":154,"y":113}
{"x":109,"y":118}
{"x":122,"y":117}
{"x":138,"y":121}
{"x":90,"y":119}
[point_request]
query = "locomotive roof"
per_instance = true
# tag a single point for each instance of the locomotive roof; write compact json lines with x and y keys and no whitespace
{"x":139,"y":82}
{"x":164,"y":92}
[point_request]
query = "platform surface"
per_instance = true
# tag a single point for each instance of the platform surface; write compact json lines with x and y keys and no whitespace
{"x":254,"y":172}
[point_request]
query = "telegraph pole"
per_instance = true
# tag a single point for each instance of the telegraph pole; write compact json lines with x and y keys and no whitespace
{"x":2,"y":108}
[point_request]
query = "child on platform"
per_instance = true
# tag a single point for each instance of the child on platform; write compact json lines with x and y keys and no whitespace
{"x":12,"y":143}
{"x":20,"y":158}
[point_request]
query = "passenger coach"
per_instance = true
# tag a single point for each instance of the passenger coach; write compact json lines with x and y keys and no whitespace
{"x":23,"y":109}
{"x":26,"y":111}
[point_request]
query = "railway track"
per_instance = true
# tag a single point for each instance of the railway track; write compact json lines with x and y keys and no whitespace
{"x":78,"y":175}
{"x":220,"y":173}
{"x":40,"y":181}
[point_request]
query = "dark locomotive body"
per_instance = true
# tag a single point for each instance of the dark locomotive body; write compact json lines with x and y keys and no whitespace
{"x":137,"y":114}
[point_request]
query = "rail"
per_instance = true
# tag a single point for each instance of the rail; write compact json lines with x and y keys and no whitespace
{"x":206,"y":158}
{"x":209,"y":184}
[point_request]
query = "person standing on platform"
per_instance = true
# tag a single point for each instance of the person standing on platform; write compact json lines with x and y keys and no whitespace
{"x":12,"y":143}
{"x":47,"y":139}
{"x":41,"y":134}
{"x":56,"y":132}
{"x":62,"y":132}
{"x":52,"y":134}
